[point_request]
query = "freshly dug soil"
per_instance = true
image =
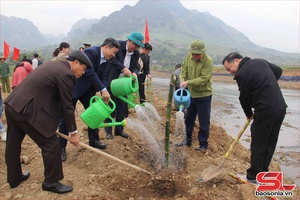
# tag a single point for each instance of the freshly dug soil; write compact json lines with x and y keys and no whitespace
{"x":96,"y":177}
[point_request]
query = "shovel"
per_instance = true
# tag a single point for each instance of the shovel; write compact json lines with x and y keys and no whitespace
{"x":168,"y":182}
{"x":212,"y":171}
{"x":108,"y":156}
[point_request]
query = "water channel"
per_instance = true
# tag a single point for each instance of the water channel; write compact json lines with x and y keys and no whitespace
{"x":227,"y":113}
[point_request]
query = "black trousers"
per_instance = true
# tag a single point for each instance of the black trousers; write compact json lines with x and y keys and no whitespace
{"x":17,"y":128}
{"x":141,"y":79}
{"x":92,"y":133}
{"x":264,"y":135}
{"x":200,"y":107}
{"x":119,"y":114}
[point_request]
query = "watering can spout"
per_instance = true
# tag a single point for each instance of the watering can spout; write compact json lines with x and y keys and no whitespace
{"x":181,"y":107}
{"x":127,"y":101}
{"x":130,"y":103}
{"x":114,"y":123}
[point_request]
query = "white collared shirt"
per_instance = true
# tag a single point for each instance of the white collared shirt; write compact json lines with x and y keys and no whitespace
{"x":102,"y":59}
{"x":127,"y":59}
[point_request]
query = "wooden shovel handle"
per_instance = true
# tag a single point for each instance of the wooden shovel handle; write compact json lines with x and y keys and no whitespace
{"x":107,"y":155}
{"x":238,"y":137}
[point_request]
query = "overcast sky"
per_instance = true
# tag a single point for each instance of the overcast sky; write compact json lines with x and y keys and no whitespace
{"x":271,"y":24}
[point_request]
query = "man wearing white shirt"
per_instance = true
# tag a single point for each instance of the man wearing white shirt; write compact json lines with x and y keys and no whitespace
{"x":35,"y":61}
{"x":127,"y":56}
{"x":93,"y":80}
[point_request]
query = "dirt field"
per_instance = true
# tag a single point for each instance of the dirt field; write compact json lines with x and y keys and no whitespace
{"x":94,"y":176}
{"x":282,"y":84}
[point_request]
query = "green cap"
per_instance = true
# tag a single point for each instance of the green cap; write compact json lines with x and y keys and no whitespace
{"x":137,"y":38}
{"x":197,"y":47}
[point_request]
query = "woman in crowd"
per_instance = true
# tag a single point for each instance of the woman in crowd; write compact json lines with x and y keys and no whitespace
{"x":62,"y":52}
{"x":20,"y":72}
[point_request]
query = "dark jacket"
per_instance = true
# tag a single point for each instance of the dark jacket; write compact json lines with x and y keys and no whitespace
{"x":115,"y":63}
{"x":44,"y":96}
{"x":146,"y":64}
{"x":91,"y":77}
{"x":257,"y":82}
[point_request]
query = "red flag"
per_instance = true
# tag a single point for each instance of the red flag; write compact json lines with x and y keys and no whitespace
{"x":16,"y":53}
{"x":147,"y":38}
{"x":6,"y":50}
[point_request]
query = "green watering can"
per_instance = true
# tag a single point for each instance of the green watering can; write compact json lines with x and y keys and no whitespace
{"x":97,"y":112}
{"x":133,"y":98}
{"x":130,"y":104}
{"x":125,"y":86}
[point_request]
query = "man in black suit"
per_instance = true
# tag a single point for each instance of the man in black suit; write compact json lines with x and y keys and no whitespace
{"x":128,"y":56}
{"x":35,"y":108}
{"x":93,"y":80}
{"x":261,"y":98}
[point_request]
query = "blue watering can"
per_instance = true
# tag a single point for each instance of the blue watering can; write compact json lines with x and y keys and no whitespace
{"x":182,"y":99}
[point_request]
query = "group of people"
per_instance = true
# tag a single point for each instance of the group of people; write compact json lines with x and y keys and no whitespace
{"x":111,"y":60}
{"x":47,"y":98}
{"x":260,"y":98}
{"x":21,"y":70}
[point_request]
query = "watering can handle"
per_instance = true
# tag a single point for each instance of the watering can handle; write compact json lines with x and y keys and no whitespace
{"x":181,"y":92}
{"x":134,"y":77}
{"x":113,"y":103}
{"x":100,"y":99}
{"x":92,"y":99}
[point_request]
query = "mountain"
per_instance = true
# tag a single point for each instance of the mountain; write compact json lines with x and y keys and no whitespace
{"x":172,"y":28}
{"x":79,"y":29}
{"x":20,"y":33}
{"x":23,"y":34}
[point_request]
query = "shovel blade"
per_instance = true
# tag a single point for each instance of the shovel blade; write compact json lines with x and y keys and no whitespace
{"x":209,"y":173}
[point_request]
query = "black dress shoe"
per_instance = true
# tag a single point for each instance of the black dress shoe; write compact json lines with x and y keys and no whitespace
{"x":122,"y":134}
{"x":98,"y":144}
{"x":24,"y":177}
{"x":109,"y":136}
{"x":63,"y":154}
{"x":57,"y":187}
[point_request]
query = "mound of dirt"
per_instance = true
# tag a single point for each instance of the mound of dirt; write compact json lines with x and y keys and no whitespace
{"x":94,"y":176}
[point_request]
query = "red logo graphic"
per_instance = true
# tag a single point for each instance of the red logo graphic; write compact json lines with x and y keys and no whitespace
{"x":270,"y":181}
